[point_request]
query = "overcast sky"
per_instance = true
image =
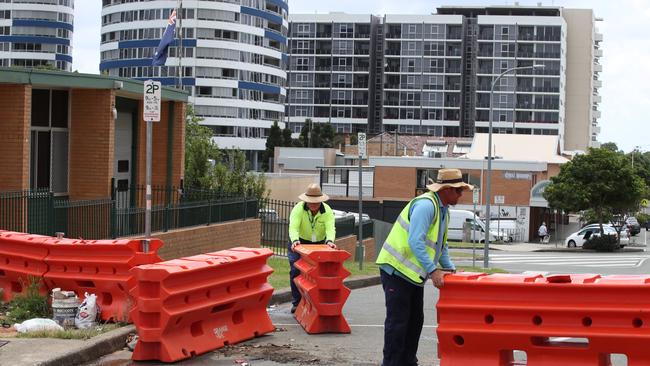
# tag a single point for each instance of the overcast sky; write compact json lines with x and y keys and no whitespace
{"x":626,"y":46}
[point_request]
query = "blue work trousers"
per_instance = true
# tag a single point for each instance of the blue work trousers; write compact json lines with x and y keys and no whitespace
{"x":404,"y":320}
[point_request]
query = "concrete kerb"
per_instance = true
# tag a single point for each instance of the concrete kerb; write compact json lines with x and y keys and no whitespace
{"x":93,"y":349}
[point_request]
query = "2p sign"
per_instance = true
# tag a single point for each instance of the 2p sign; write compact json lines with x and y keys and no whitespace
{"x":152,"y":97}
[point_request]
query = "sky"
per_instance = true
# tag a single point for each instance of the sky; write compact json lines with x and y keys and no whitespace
{"x":626,"y":47}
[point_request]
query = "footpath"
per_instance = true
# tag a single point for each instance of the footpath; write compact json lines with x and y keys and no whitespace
{"x":60,"y":352}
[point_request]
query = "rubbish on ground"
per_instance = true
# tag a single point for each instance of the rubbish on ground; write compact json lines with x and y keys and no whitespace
{"x":87,"y":312}
{"x":131,"y":341}
{"x":64,"y":307}
{"x":36,"y":325}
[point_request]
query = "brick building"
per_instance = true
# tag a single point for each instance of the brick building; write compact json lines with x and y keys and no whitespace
{"x":81,"y":135}
{"x":521,"y":169}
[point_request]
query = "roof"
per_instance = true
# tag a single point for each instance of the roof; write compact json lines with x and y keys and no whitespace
{"x":74,"y":80}
{"x":416,"y":145}
{"x":534,"y":148}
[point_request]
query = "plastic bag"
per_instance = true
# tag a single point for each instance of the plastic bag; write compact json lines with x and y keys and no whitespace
{"x":37,"y":324}
{"x":87,"y":312}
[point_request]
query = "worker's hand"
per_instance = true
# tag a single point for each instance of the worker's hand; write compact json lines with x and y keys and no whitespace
{"x":331,"y":244}
{"x":295,"y":244}
{"x":437,"y":277}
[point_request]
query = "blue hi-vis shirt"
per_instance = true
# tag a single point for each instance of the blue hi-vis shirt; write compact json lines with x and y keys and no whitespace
{"x":421,"y":216}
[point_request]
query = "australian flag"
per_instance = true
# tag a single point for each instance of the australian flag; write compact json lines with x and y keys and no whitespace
{"x":160,"y":57}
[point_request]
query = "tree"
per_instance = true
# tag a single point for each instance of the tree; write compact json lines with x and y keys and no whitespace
{"x":287,"y":141}
{"x":316,"y":140}
{"x":611,"y":146}
{"x":305,"y":133}
{"x":601,"y":180}
{"x":208,"y":167}
{"x":200,"y":151}
{"x":274,"y":139}
{"x":327,"y":135}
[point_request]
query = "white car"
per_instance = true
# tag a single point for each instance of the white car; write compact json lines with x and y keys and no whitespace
{"x":578,"y":238}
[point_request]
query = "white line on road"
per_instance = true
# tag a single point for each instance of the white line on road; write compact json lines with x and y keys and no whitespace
{"x":352,"y":325}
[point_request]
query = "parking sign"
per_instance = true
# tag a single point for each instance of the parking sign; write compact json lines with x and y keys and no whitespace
{"x":152,"y":97}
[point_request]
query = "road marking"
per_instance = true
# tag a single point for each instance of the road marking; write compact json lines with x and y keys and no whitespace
{"x":353,"y":325}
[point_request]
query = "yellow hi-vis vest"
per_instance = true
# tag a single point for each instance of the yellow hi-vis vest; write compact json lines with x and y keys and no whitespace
{"x":396,"y":250}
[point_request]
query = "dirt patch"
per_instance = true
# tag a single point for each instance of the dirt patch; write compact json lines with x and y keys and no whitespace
{"x":284,"y":353}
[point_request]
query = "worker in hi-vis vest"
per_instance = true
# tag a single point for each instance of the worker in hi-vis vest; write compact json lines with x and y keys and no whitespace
{"x":415,"y":245}
{"x":311,"y":222}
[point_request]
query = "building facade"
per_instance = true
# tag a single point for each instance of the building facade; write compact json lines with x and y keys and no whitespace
{"x":229,"y":55}
{"x":432,"y":74}
{"x":36,"y":33}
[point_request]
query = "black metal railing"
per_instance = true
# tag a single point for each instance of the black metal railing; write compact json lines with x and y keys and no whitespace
{"x":123,"y":214}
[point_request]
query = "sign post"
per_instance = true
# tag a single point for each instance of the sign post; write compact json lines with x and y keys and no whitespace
{"x":150,"y":113}
{"x":474,"y":201}
{"x":361,"y":144}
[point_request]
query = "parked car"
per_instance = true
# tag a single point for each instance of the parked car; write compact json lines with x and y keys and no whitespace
{"x":578,"y":238}
{"x":458,"y":217}
{"x":633,"y":225}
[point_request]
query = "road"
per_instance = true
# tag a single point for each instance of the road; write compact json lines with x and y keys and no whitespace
{"x":365,"y":313}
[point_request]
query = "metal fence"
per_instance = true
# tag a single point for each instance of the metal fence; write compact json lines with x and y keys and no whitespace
{"x":123,"y":214}
{"x":274,"y":215}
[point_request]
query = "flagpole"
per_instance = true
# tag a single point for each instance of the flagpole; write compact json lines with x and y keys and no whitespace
{"x":179,"y":17}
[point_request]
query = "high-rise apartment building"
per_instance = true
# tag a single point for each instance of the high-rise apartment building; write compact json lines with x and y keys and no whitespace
{"x":36,"y":33}
{"x":232,"y":60}
{"x":432,"y":74}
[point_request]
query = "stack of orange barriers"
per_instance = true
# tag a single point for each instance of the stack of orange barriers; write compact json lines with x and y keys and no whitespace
{"x":321,"y":285}
{"x":556,"y":320}
{"x":189,"y":306}
{"x":21,"y":257}
{"x":99,"y":267}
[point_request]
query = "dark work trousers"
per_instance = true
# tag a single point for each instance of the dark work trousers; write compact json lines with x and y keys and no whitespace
{"x":404,"y":320}
{"x":294,"y":272}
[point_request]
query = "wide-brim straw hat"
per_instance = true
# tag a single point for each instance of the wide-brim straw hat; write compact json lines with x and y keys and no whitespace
{"x":313,"y":194}
{"x":449,"y":178}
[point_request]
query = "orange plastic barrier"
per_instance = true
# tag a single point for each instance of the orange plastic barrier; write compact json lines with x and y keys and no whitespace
{"x":21,"y":257}
{"x":557,"y":320}
{"x":321,"y":285}
{"x":100,"y":267}
{"x":189,"y":306}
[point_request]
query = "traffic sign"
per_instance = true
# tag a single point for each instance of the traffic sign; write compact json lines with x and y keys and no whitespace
{"x":475,"y":196}
{"x":152,"y":98}
{"x":644,"y":202}
{"x":361,"y":141}
{"x":499,"y":200}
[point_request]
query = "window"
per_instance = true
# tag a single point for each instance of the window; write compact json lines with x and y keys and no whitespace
{"x":503,"y":99}
{"x":412,"y":29}
{"x":341,"y":78}
{"x":409,"y":114}
{"x":340,"y":113}
{"x":49,"y":140}
{"x":303,"y":28}
{"x":343,"y":62}
{"x":410,"y":79}
{"x":504,"y":66}
{"x":504,"y":48}
{"x":411,"y":46}
{"x":302,"y":63}
{"x":340,"y":95}
{"x":504,"y":30}
{"x":502,"y":117}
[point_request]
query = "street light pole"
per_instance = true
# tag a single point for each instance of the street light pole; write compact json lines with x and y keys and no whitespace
{"x":486,"y":247}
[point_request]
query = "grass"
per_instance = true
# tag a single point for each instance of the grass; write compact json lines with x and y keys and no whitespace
{"x":280,"y":277}
{"x":73,"y":333}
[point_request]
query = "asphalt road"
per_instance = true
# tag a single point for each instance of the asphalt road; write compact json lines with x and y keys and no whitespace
{"x":365,"y":313}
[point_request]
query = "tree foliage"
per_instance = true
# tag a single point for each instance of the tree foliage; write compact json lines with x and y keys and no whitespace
{"x":208,"y":167}
{"x":601,"y":180}
{"x":287,"y":140}
{"x":316,"y":134}
{"x":274,"y":139}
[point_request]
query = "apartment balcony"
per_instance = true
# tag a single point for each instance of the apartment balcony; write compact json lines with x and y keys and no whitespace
{"x":596,"y":129}
{"x":598,"y":84}
{"x":598,"y":53}
{"x":598,"y":68}
{"x":597,"y":98}
{"x":596,"y":113}
{"x":598,"y":37}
